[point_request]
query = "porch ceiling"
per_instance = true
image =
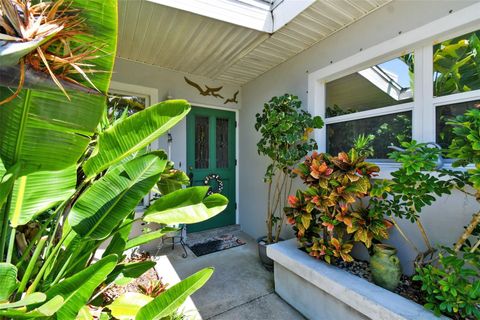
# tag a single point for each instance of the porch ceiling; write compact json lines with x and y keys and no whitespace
{"x":179,"y":40}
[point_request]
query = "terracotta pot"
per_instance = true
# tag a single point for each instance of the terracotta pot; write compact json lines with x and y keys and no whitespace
{"x":262,"y":253}
{"x":385,"y":266}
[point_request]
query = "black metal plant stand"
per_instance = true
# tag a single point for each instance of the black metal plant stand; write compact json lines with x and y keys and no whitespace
{"x":180,"y":240}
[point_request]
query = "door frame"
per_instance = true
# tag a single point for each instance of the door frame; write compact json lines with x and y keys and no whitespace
{"x":236,"y":111}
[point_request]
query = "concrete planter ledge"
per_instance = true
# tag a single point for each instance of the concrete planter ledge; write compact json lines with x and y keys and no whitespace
{"x":320,"y":291}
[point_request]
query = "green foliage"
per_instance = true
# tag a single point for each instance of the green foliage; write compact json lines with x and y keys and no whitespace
{"x":456,"y":63}
{"x":189,"y":205}
{"x":413,"y":186}
{"x":285,"y":139}
{"x":465,"y":147}
{"x":327,"y":217}
{"x":8,"y":280}
{"x":285,"y":129}
{"x":76,"y":182}
{"x":169,"y":301}
{"x":453,"y":287}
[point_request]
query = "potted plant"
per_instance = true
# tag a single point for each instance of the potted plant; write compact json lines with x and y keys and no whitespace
{"x":285,"y":139}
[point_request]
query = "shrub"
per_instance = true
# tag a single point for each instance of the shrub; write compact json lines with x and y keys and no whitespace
{"x":285,"y":139}
{"x":330,"y":214}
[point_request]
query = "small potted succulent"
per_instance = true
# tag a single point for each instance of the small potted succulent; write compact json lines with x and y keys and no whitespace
{"x":285,"y":139}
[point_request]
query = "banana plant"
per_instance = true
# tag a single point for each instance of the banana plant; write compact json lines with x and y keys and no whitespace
{"x":69,"y":184}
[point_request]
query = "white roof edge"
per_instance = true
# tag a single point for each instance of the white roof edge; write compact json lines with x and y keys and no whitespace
{"x":234,"y":12}
{"x":285,"y":11}
{"x":250,"y":14}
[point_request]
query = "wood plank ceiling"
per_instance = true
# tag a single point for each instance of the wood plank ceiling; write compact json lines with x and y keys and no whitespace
{"x":170,"y":38}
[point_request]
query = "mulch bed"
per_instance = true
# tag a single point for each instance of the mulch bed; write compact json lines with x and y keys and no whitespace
{"x":151,"y":275}
{"x":407,"y":288}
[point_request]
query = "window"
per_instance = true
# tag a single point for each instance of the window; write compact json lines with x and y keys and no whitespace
{"x":456,"y":81}
{"x":377,"y":100}
{"x":446,"y":113}
{"x":118,"y":103}
{"x":412,"y":96}
{"x":456,"y":65}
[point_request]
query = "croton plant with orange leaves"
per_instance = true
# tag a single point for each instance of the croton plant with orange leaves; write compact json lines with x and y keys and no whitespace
{"x":330,"y":215}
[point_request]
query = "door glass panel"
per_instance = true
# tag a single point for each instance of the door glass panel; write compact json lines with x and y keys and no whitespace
{"x":222,"y":143}
{"x":201,"y":142}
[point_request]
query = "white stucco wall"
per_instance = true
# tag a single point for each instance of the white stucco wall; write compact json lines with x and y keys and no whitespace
{"x":172,"y":84}
{"x":444,"y":220}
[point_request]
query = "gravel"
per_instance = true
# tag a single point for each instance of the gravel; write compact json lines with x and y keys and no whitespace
{"x":407,"y":287}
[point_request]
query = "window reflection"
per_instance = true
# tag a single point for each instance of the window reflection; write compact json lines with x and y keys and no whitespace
{"x":388,"y":129}
{"x":386,"y":84}
{"x":456,"y":65}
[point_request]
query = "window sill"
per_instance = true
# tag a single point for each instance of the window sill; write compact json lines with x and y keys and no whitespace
{"x":386,"y":168}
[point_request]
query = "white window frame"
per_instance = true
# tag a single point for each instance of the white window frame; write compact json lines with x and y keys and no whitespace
{"x":420,"y":41}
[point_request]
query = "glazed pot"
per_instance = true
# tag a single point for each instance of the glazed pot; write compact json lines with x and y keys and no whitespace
{"x":385,"y":266}
{"x":262,"y":253}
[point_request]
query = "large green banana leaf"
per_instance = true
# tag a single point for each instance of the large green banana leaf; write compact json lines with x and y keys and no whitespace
{"x":125,"y":273}
{"x":169,"y":301}
{"x":7,"y":181}
{"x":46,"y":310}
{"x":43,"y":129}
{"x":185,"y":206}
{"x":8,"y":280}
{"x":109,"y":200}
{"x":147,"y":237}
{"x":134,"y":133}
{"x":34,"y":298}
{"x":77,"y":290}
{"x":39,"y":191}
{"x":119,"y":240}
{"x":126,"y":306}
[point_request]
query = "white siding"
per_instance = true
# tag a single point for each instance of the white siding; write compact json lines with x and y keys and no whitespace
{"x":445,"y":219}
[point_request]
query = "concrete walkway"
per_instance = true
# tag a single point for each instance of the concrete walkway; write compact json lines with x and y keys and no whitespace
{"x":240,"y":287}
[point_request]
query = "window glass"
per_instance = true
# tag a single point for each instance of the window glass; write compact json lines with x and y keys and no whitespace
{"x":386,"y":84}
{"x":446,"y":113}
{"x":456,"y":65}
{"x":118,"y":103}
{"x":202,"y":140}
{"x":222,"y":143}
{"x":388,"y":129}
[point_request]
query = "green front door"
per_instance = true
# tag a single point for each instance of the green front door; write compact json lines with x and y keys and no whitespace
{"x":211,"y":159}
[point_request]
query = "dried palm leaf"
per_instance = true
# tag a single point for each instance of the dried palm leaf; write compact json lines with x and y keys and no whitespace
{"x":44,"y":38}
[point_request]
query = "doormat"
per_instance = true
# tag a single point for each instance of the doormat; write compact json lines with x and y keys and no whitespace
{"x":215,"y":244}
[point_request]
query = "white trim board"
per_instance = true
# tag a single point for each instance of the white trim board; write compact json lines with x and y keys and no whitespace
{"x":457,"y":23}
{"x":127,"y":88}
{"x":420,"y":41}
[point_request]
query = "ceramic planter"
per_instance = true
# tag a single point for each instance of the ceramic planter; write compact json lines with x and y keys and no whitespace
{"x":385,"y":266}
{"x":262,"y":253}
